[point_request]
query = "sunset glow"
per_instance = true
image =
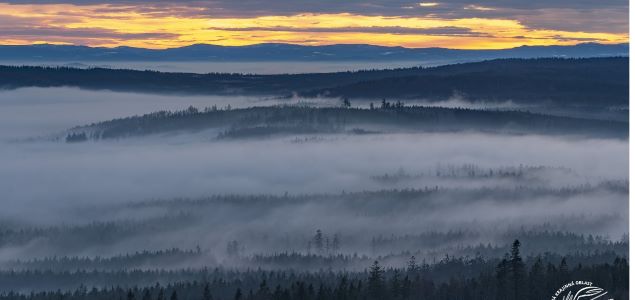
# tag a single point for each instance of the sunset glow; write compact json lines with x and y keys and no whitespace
{"x":113,"y":25}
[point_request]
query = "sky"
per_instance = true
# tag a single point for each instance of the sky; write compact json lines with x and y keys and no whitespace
{"x":461,"y":24}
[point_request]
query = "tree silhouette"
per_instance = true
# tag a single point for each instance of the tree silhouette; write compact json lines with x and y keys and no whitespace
{"x":517,"y":272}
{"x":502,"y":279}
{"x":412,"y":265}
{"x":376,"y":281}
{"x":318,"y":241}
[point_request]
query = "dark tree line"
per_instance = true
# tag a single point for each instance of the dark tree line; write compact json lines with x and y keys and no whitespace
{"x":392,"y":117}
{"x":472,"y":171}
{"x":76,"y":137}
{"x":506,"y":278}
{"x":552,"y":82}
{"x":597,"y":82}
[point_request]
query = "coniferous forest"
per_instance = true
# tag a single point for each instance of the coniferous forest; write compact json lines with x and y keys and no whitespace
{"x":504,"y":179}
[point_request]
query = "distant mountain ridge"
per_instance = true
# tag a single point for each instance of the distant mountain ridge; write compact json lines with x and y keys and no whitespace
{"x":290,"y":52}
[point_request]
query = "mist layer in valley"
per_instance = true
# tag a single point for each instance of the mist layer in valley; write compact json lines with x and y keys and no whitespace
{"x":184,"y":198}
{"x":256,"y":67}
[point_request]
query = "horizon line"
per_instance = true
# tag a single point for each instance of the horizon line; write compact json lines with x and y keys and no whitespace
{"x":307,"y":46}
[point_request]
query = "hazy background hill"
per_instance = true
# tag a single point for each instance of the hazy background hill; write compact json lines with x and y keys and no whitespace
{"x":288,"y":52}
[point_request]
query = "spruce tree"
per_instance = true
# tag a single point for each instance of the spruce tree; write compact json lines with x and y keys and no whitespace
{"x":376,"y":281}
{"x":517,"y":272}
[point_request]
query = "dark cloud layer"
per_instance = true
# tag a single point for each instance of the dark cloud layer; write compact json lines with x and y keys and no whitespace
{"x":81,"y":32}
{"x":443,"y":31}
{"x":585,"y":15}
{"x":350,"y":6}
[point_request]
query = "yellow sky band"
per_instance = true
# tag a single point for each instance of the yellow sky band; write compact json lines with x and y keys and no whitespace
{"x":110,"y":25}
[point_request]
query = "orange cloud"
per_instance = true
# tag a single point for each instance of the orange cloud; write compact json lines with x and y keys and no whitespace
{"x":112,"y":25}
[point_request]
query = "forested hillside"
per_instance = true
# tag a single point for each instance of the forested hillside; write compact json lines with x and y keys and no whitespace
{"x":509,"y":277}
{"x":557,"y":82}
{"x":386,"y":118}
{"x":599,"y":82}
